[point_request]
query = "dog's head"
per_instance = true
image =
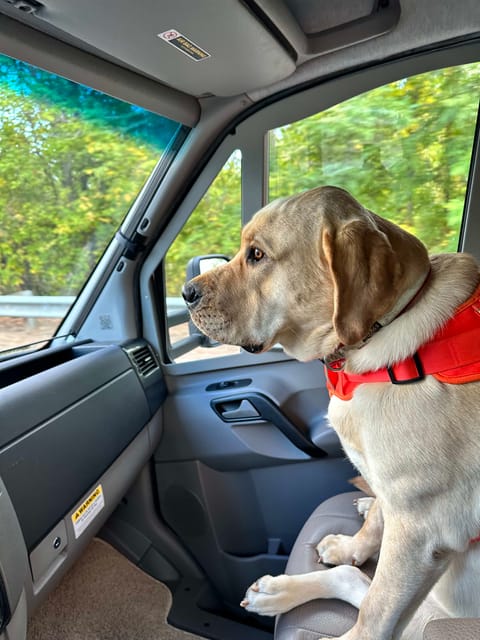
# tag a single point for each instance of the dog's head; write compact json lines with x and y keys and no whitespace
{"x":314,"y":271}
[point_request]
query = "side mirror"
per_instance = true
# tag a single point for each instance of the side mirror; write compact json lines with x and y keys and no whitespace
{"x":201,"y":264}
{"x":197,"y":266}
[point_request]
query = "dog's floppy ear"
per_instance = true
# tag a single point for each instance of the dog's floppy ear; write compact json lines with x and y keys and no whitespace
{"x":365,"y":271}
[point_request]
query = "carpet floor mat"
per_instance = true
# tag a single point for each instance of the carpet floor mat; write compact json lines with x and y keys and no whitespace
{"x":106,"y":597}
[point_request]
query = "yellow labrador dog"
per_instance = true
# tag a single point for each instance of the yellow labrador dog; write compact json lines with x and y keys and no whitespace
{"x":326,"y":278}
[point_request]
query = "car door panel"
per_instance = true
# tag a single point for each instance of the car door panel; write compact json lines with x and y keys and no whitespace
{"x":237,"y":490}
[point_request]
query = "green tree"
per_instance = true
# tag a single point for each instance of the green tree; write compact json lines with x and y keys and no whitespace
{"x":67,"y":178}
{"x":214,"y":226}
{"x":403,"y":150}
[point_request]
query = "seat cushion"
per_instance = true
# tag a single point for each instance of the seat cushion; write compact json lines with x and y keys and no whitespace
{"x":453,"y":629}
{"x":321,"y":617}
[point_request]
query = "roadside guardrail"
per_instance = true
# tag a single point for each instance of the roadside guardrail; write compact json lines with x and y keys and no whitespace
{"x":26,"y":305}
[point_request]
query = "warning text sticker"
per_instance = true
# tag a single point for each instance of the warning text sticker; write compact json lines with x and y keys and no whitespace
{"x":184,"y":44}
{"x":87,"y":511}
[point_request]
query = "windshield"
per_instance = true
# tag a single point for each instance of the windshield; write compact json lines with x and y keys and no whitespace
{"x":72,"y":161}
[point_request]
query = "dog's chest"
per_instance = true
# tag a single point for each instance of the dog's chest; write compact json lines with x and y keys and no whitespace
{"x":341,"y":418}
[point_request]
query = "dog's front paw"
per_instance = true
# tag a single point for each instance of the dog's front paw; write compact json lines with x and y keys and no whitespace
{"x":363,"y":506}
{"x":269,"y":596}
{"x":339,"y":549}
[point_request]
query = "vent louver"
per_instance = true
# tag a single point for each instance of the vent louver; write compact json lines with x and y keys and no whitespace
{"x":144,"y":360}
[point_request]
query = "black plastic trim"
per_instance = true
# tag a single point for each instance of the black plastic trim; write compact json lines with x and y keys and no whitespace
{"x":153,"y":382}
{"x":470,"y":217}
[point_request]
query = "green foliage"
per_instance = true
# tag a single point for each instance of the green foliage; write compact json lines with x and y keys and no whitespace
{"x":67,"y":177}
{"x":403,"y":150}
{"x":73,"y":160}
{"x":214,"y":226}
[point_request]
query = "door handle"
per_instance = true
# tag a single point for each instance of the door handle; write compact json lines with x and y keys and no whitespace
{"x":236,"y":410}
{"x":254,"y":407}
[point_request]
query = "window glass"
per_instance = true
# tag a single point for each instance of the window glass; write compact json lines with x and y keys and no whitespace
{"x":213,"y":228}
{"x":403,"y":150}
{"x":72,"y":161}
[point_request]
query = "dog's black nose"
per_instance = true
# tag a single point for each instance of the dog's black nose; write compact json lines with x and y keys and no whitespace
{"x":191,"y":293}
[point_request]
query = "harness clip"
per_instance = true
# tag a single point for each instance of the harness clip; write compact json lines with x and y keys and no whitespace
{"x":420,"y":373}
{"x":334,"y":363}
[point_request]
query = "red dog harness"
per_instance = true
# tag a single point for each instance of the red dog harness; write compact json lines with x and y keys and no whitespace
{"x":452,"y":356}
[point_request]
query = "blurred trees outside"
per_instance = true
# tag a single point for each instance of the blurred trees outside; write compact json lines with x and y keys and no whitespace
{"x":72,"y":162}
{"x":213,"y":227}
{"x":403,"y":150}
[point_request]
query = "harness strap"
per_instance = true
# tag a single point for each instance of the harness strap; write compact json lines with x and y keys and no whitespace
{"x":451,"y":356}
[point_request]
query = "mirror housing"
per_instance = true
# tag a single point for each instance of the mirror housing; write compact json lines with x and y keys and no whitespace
{"x":201,"y":264}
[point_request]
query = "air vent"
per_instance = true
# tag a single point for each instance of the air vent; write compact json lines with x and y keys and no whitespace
{"x":144,"y":360}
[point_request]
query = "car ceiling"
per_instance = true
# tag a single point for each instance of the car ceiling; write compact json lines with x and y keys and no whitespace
{"x":252,"y":47}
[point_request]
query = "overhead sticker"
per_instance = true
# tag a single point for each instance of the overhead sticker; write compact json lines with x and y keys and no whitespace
{"x":184,"y":44}
{"x":88,"y":511}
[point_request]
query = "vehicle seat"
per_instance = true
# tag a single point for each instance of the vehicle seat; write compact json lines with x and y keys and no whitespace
{"x":333,"y":617}
{"x":320,"y":618}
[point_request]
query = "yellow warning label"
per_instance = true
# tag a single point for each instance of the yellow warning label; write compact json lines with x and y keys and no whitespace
{"x":87,"y":511}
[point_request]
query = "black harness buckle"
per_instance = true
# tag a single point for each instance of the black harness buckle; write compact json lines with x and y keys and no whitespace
{"x":420,"y":373}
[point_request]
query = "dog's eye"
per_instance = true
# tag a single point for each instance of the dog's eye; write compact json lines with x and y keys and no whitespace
{"x":255,"y":254}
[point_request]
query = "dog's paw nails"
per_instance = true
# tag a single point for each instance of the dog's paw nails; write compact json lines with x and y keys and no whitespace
{"x":338,"y":549}
{"x":270,"y":596}
{"x":364,"y":505}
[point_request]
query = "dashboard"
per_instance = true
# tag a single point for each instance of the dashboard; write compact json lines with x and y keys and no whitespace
{"x":78,"y":424}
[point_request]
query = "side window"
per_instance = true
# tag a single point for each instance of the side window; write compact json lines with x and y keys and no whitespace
{"x":403,"y":150}
{"x":72,"y":161}
{"x":213,"y":227}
